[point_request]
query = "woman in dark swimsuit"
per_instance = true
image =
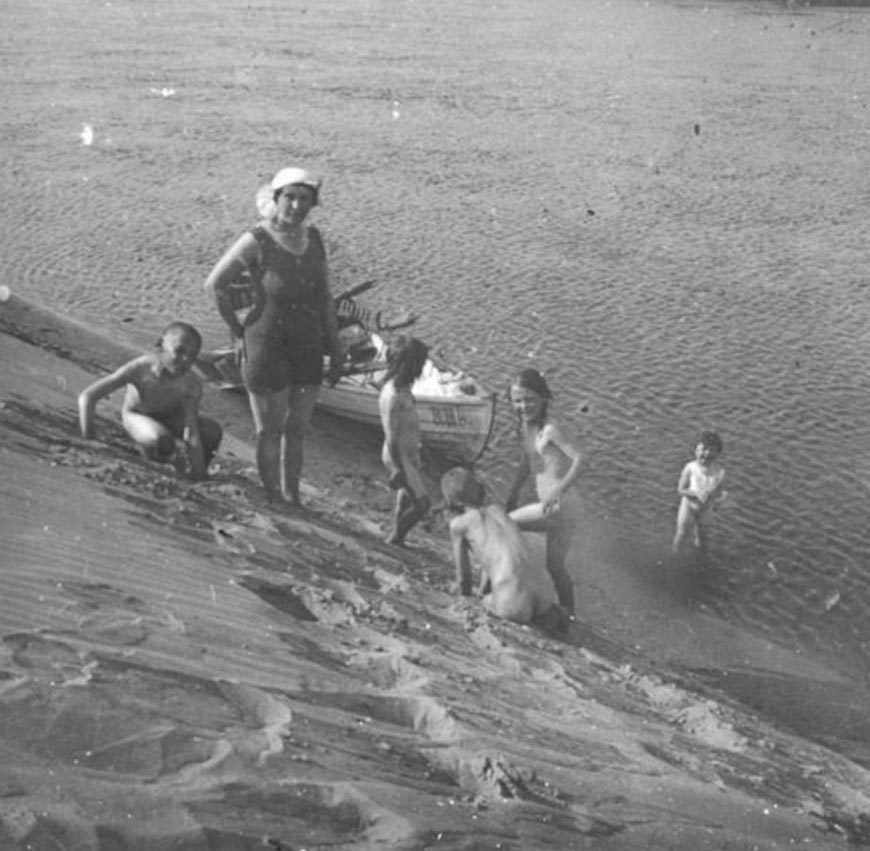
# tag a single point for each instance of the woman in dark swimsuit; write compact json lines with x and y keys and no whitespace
{"x":282,"y":340}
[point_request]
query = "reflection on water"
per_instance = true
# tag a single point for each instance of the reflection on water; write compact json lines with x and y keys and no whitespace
{"x":662,"y":206}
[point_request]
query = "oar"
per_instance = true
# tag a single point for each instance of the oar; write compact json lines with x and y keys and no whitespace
{"x":363,"y":369}
{"x":354,"y":291}
{"x":396,"y":324}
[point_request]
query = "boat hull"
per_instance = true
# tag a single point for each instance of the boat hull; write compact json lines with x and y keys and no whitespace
{"x":457,"y":425}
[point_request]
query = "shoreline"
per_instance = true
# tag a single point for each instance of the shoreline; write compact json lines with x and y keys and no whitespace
{"x":183,"y":665}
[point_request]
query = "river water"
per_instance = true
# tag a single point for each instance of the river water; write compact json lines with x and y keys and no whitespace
{"x":662,"y":205}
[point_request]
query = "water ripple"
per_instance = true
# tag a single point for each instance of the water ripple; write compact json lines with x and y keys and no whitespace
{"x":661,"y":208}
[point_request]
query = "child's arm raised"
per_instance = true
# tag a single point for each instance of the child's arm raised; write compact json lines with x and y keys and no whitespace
{"x":101,"y":388}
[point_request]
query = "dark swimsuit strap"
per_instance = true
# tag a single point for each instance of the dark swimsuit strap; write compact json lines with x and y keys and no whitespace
{"x":267,"y":241}
{"x":263,"y":237}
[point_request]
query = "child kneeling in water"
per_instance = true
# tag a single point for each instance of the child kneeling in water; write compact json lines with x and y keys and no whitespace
{"x":162,"y":401}
{"x":514,"y":586}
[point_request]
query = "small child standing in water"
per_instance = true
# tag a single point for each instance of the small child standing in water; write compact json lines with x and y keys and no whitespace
{"x":699,"y":486}
{"x":406,"y":358}
{"x":162,"y":401}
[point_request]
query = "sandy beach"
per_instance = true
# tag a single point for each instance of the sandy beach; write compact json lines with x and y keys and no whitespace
{"x":183,"y":668}
{"x":593,"y":189}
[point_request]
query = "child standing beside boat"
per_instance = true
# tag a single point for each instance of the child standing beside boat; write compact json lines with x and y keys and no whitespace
{"x":556,"y":463}
{"x":162,"y":401}
{"x":406,"y":357}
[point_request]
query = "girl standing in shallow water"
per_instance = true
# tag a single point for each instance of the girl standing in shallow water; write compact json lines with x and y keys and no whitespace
{"x":699,"y":487}
{"x":556,"y":463}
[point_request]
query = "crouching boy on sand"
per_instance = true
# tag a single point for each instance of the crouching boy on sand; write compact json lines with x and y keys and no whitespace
{"x":162,"y":401}
{"x":513,"y":585}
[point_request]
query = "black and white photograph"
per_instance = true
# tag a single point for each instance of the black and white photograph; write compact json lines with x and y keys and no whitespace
{"x":434,"y":425}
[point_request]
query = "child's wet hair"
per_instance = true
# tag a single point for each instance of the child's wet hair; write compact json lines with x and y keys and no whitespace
{"x":185,"y":329}
{"x":406,"y":357}
{"x":461,"y":489}
{"x":531,"y":379}
{"x":712,"y":441}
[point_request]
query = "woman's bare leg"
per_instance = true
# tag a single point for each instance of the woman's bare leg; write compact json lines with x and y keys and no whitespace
{"x":270,"y":412}
{"x":300,"y":407}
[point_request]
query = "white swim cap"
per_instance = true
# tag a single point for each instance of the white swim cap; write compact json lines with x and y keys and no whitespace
{"x":265,"y":199}
{"x":293,"y":176}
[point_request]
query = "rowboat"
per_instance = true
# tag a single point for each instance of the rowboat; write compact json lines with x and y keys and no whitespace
{"x":455,"y":410}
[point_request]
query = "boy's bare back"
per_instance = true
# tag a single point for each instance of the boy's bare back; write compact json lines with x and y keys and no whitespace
{"x":521,"y":589}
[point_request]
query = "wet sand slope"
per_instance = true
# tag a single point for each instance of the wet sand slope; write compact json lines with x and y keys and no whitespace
{"x":183,"y":668}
